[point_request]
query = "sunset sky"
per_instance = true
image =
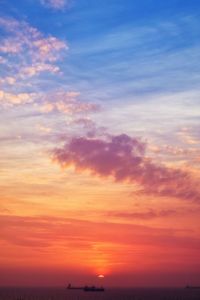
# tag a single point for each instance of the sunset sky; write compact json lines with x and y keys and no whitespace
{"x":100,"y":136}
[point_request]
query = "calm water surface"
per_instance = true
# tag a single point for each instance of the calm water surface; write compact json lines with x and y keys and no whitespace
{"x":112,"y":294}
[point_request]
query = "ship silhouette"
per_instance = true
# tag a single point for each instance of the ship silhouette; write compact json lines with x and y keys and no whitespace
{"x":86,"y":288}
{"x":192,"y":287}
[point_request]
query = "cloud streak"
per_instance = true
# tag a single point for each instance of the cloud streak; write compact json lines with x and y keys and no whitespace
{"x":55,"y":4}
{"x":67,"y":103}
{"x":123,"y":158}
{"x":10,"y":99}
{"x":46,"y":230}
{"x":146,"y":215}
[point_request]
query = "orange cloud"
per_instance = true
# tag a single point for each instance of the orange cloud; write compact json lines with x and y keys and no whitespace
{"x":87,"y":236}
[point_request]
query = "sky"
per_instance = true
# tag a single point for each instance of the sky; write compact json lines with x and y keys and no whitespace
{"x":100,"y":135}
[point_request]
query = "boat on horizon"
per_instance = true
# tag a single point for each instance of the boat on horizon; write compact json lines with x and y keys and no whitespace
{"x":192,"y":287}
{"x":86,"y":288}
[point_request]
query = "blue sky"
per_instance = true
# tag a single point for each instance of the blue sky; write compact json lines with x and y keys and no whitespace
{"x":144,"y":45}
{"x":138,"y":60}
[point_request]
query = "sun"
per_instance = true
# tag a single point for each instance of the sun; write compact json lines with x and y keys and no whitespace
{"x":100,"y":276}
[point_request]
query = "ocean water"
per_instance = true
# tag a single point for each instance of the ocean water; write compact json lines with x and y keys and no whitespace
{"x":108,"y":294}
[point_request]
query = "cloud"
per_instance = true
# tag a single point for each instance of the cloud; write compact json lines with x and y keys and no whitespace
{"x":66,"y":102}
{"x":28,"y":51}
{"x":10,"y":99}
{"x":85,"y":122}
{"x":55,"y":4}
{"x":34,"y":240}
{"x":188,"y":137}
{"x":8,"y":80}
{"x":43,"y":129}
{"x":11,"y":46}
{"x":89,"y":126}
{"x":42,"y":231}
{"x":37,"y":69}
{"x":146,"y":215}
{"x":123,"y":158}
{"x":21,"y":36}
{"x":2,"y":60}
{"x":48,"y":48}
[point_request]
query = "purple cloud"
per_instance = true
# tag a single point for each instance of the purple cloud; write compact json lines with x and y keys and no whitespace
{"x":123,"y":158}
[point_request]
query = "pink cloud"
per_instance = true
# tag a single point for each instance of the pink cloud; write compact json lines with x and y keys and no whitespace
{"x":48,"y":49}
{"x":33,"y":52}
{"x":8,"y":80}
{"x":11,"y":46}
{"x":123,"y":158}
{"x":89,"y":126}
{"x":28,"y":53}
{"x":9,"y":99}
{"x":188,"y":137}
{"x":85,"y":122}
{"x":37,"y":69}
{"x":2,"y":60}
{"x":25,"y":37}
{"x":55,"y":4}
{"x":9,"y":24}
{"x":66,"y":102}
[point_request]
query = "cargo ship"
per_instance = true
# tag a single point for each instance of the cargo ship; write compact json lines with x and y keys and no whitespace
{"x":192,"y":287}
{"x":86,"y":288}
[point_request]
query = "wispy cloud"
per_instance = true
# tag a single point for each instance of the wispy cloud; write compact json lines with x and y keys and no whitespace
{"x":28,"y":53}
{"x":40,"y":228}
{"x":55,"y":4}
{"x":36,"y":69}
{"x":24,"y":37}
{"x":66,"y":102}
{"x":123,"y":158}
{"x":10,"y":99}
{"x":143,"y":215}
{"x":2,"y":60}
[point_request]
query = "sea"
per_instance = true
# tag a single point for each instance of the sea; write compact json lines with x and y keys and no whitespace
{"x":108,"y":294}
